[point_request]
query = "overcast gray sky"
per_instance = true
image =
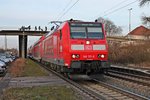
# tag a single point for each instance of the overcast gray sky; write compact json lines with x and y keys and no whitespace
{"x":15,"y":13}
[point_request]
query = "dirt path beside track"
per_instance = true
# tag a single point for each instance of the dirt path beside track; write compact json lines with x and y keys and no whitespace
{"x":4,"y":81}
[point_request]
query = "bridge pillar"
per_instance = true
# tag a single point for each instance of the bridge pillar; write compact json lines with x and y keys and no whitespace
{"x":23,"y":46}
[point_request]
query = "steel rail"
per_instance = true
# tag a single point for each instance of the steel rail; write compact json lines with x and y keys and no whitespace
{"x":128,"y":78}
{"x":143,"y":73}
{"x":122,"y":90}
{"x":130,"y":74}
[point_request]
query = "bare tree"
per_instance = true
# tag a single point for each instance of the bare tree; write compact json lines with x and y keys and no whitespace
{"x":145,"y":19}
{"x":110,"y":27}
{"x":144,"y":2}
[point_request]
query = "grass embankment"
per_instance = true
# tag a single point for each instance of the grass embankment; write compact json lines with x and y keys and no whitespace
{"x":41,"y":93}
{"x":136,"y":54}
{"x":26,"y":67}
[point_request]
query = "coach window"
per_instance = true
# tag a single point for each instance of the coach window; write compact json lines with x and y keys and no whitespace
{"x":60,"y":34}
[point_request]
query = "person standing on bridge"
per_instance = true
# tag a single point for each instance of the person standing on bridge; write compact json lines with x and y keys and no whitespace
{"x":39,"y":28}
{"x":35,"y":28}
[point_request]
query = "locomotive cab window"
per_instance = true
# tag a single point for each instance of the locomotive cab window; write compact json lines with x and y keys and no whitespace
{"x":86,"y":30}
{"x":78,"y":32}
{"x":95,"y":32}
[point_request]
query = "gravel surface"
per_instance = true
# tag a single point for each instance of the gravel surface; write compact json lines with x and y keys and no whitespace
{"x":130,"y":86}
{"x":104,"y":91}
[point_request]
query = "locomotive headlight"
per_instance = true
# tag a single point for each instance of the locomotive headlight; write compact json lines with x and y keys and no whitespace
{"x":73,"y":56}
{"x":102,"y":56}
{"x":87,"y":42}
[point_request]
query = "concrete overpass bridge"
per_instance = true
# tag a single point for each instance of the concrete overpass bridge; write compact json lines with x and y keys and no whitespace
{"x":23,"y":38}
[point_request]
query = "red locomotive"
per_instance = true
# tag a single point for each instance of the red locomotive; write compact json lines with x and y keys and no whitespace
{"x":74,"y":47}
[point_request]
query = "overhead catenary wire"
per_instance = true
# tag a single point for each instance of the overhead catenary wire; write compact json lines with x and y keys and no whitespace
{"x":67,"y":5}
{"x":68,"y":9}
{"x":115,"y":6}
{"x":119,"y":8}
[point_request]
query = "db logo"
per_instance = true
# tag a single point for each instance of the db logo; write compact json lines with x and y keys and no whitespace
{"x":88,"y":47}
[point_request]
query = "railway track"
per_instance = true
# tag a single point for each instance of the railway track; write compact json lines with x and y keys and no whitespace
{"x":127,"y":85}
{"x":110,"y":92}
{"x":130,"y":77}
{"x":136,"y":82}
{"x":123,"y":91}
{"x":92,"y":95}
{"x":97,"y":90}
{"x":130,"y":71}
